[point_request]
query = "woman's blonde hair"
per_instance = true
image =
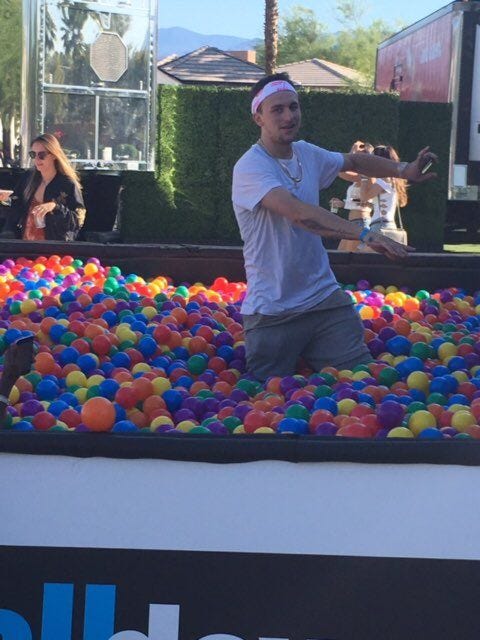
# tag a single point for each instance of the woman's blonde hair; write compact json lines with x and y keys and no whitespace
{"x":62,"y":164}
{"x":387,"y":151}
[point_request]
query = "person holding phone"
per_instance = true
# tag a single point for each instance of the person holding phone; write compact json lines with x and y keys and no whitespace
{"x":359,"y":212}
{"x":47,"y":204}
{"x":386,"y":193}
{"x":17,"y":362}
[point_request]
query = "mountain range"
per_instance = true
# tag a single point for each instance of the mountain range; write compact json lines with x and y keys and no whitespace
{"x":176,"y":40}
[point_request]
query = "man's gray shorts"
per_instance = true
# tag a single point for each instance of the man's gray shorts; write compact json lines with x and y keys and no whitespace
{"x":323,"y":337}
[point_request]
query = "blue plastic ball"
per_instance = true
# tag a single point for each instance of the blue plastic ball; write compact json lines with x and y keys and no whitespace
{"x":47,"y":390}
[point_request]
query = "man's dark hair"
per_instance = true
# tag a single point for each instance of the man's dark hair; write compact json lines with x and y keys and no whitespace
{"x":261,"y":83}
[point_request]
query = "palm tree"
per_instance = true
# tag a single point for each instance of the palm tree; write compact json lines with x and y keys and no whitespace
{"x":271,"y":35}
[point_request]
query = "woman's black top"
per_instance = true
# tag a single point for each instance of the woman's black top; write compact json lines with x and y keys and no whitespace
{"x":64,"y":222}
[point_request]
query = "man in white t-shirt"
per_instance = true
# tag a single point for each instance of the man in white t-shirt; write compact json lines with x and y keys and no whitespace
{"x":294,"y":305}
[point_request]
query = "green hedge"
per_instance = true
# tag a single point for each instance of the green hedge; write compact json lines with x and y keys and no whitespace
{"x":336,"y":120}
{"x":204,"y":130}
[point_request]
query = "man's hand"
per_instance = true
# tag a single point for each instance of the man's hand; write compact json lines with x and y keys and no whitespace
{"x":412,"y":171}
{"x":390,"y":248}
{"x":5,"y":194}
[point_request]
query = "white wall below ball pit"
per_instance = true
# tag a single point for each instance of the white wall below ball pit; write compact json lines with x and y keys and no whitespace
{"x":375,"y":510}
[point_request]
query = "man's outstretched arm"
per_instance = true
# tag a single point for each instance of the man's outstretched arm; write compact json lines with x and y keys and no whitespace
{"x":321,"y":222}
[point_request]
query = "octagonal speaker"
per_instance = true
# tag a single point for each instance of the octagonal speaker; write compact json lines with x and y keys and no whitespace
{"x":109,"y":57}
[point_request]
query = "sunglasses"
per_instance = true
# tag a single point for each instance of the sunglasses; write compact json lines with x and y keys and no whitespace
{"x":41,"y":155}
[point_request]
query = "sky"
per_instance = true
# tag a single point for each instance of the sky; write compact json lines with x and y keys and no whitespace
{"x":244,"y":18}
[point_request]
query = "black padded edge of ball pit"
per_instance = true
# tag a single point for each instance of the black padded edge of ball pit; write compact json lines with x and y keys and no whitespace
{"x":419,"y":271}
{"x":235,"y":449}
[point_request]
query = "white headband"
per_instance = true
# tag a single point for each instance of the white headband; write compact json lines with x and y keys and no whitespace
{"x":272,"y":87}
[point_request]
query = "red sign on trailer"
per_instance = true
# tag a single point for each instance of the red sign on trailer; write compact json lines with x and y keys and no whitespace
{"x":418,"y":65}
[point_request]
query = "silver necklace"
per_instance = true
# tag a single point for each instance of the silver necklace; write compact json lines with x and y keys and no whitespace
{"x":285,"y":169}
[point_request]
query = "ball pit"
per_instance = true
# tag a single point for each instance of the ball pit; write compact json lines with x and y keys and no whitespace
{"x":119,"y":354}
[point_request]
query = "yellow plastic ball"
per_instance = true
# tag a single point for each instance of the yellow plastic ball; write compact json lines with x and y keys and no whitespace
{"x":239,"y":430}
{"x":456,"y":407}
{"x":185,"y":426}
{"x":264,"y":430}
{"x":418,"y":380}
{"x":420,"y":420}
{"x":141,"y":367}
{"x":28,"y":306}
{"x":400,"y":432}
{"x":366,"y":313}
{"x":463,"y":419}
{"x":95,"y":380}
{"x":159,"y":421}
{"x":160,"y":385}
{"x":76,"y":379}
{"x":360,"y":375}
{"x":461,"y":376}
{"x":90,"y":269}
{"x":81,"y":394}
{"x":346,"y":406}
{"x":447,"y":350}
{"x":149,"y":312}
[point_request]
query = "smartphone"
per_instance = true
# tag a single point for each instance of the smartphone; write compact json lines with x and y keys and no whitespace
{"x":24,"y":340}
{"x":24,"y":354}
{"x":427,"y":167}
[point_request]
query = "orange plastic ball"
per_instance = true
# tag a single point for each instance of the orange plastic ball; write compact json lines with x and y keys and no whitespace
{"x":98,"y":414}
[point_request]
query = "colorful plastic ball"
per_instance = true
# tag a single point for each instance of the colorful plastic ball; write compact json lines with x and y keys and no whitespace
{"x":23,"y":425}
{"x":327,"y":403}
{"x":388,"y":376}
{"x":47,"y":390}
{"x":463,"y":419}
{"x":87,"y":363}
{"x":297,"y":411}
{"x":98,"y":414}
{"x":293,"y":425}
{"x":399,"y":345}
{"x":418,"y":380}
{"x":196,"y":364}
{"x":173,"y":399}
{"x":43,"y":420}
{"x":346,"y":405}
{"x":420,"y":420}
{"x":76,"y":379}
{"x":326,"y":429}
{"x":390,"y":414}
{"x":430,"y":433}
{"x":124,"y":426}
{"x":400,"y":432}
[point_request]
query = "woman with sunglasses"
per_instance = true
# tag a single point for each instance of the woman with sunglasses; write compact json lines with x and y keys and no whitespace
{"x":47,"y":204}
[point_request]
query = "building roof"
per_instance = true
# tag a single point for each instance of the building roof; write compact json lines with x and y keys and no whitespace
{"x":321,"y":74}
{"x":209,"y":65}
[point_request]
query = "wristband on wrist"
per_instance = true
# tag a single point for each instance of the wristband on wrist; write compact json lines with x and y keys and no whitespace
{"x":401,"y":168}
{"x":364,"y":233}
{"x":3,"y":399}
